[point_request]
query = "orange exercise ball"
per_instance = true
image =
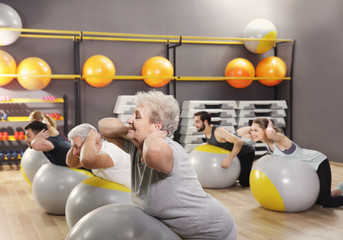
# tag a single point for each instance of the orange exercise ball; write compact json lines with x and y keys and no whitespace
{"x":33,"y":66}
{"x":7,"y":66}
{"x":271,"y":67}
{"x":102,"y":69}
{"x":157,"y":67}
{"x":239,"y":67}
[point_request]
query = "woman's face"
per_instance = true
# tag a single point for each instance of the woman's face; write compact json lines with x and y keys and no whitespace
{"x":257,"y":132}
{"x":139,"y":125}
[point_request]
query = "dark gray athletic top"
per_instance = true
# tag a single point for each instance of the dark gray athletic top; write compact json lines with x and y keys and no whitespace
{"x":61,"y":147}
{"x":246,"y":148}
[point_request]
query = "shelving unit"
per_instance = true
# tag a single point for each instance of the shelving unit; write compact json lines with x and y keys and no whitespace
{"x":13,"y":122}
{"x":172,"y":42}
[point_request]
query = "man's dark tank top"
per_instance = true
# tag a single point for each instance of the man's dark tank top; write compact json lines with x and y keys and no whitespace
{"x":246,"y":148}
{"x":61,"y":147}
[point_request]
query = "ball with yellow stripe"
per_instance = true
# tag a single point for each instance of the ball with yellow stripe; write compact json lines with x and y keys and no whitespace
{"x":284,"y":184}
{"x":262,"y":29}
{"x":206,"y":161}
{"x":93,"y":193}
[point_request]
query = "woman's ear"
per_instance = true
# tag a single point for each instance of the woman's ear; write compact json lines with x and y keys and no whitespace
{"x":158,"y":126}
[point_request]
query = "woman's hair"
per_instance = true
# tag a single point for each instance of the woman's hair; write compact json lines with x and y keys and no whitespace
{"x":164,"y":108}
{"x":263,"y":123}
{"x":39,"y":116}
{"x":81,"y":131}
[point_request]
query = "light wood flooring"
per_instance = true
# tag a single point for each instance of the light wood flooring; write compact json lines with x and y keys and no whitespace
{"x":22,"y":219}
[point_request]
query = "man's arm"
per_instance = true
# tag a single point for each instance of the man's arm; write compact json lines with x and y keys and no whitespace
{"x":113,"y":130}
{"x":40,"y":142}
{"x":157,"y":153}
{"x":222,"y":135}
{"x":72,"y":160}
{"x":90,"y":157}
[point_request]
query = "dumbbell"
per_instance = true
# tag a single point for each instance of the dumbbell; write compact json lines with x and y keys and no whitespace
{"x":8,"y":155}
{"x":21,"y":135}
{"x":16,"y":136}
{"x":5,"y":134}
{"x":15,"y":155}
{"x":57,"y":116}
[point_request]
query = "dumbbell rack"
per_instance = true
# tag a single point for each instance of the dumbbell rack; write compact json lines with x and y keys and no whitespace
{"x":11,"y":111}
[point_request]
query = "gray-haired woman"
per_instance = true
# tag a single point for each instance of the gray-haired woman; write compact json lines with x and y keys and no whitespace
{"x":164,"y":184}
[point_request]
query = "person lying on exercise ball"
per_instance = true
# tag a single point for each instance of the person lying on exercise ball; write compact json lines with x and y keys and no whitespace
{"x":105,"y":159}
{"x":262,"y":129}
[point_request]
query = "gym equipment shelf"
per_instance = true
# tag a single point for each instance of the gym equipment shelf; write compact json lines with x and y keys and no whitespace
{"x":32,"y":100}
{"x":24,"y":119}
{"x":13,"y":119}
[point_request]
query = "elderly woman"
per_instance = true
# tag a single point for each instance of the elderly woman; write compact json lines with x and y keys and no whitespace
{"x":163,"y":183}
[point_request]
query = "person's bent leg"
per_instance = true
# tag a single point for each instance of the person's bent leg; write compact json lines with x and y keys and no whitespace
{"x":246,"y":161}
{"x":324,"y":198}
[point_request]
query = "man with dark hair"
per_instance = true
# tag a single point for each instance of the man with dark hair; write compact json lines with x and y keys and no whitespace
{"x":54,"y":146}
{"x":220,"y":137}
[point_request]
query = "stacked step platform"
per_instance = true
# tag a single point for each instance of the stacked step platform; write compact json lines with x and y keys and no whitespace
{"x":229,"y":114}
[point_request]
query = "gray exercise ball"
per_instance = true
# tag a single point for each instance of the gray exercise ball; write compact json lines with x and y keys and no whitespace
{"x":52,"y":185}
{"x":30,"y":162}
{"x":92,"y":193}
{"x":284,"y":184}
{"x":120,"y":221}
{"x":206,"y":161}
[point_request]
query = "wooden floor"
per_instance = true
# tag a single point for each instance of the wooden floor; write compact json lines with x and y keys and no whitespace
{"x":21,"y":218}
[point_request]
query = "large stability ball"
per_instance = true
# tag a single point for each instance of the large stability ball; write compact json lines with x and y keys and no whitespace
{"x":9,"y":18}
{"x":52,"y":185}
{"x":30,"y":162}
{"x":102,"y":70}
{"x":157,"y":67}
{"x":284,"y":184}
{"x":206,"y":160}
{"x":33,"y":66}
{"x":260,"y":28}
{"x":92,"y":193}
{"x":272,"y":67}
{"x":239,"y":67}
{"x":120,"y":221}
{"x":7,"y":66}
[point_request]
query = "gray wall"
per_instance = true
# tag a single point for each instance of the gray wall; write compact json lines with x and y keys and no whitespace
{"x":315,"y":25}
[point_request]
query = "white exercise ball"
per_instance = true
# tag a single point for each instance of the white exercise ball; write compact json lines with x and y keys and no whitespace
{"x":9,"y":18}
{"x":120,"y":221}
{"x":52,"y":185}
{"x":30,"y":162}
{"x":261,"y":29}
{"x":93,"y":193}
{"x":284,"y":184}
{"x":206,"y":161}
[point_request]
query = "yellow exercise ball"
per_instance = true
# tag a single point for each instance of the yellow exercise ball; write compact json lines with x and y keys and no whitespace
{"x":7,"y":66}
{"x":28,"y":68}
{"x":102,"y":70}
{"x":239,"y":67}
{"x":157,"y":67}
{"x":273,"y":67}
